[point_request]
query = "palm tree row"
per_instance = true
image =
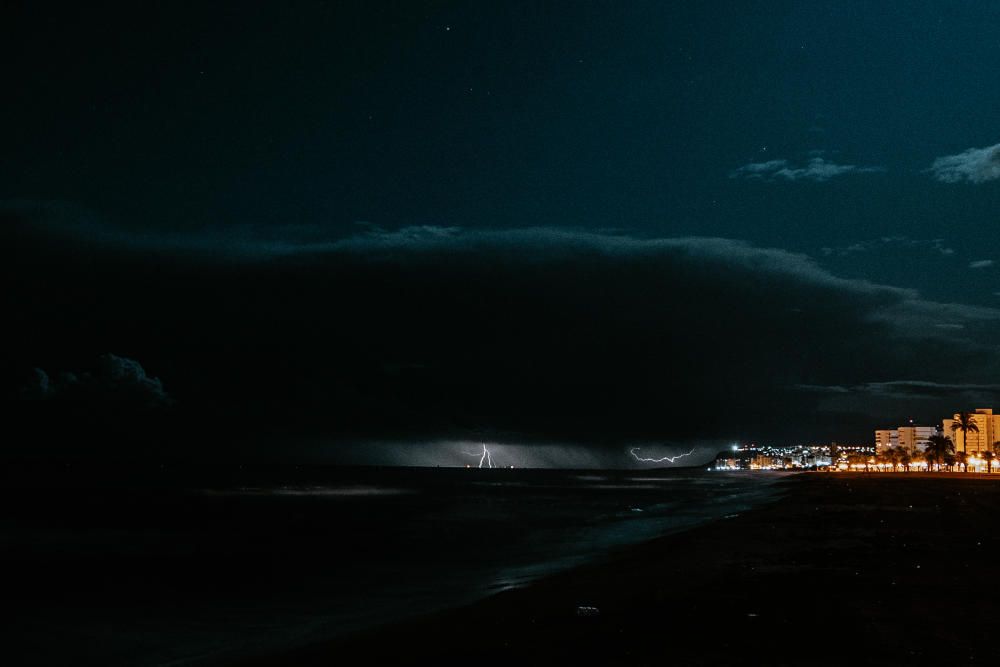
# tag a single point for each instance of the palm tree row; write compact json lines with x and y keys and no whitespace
{"x":894,"y":456}
{"x":939,"y":451}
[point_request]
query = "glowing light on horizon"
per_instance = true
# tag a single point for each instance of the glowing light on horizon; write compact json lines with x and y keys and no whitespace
{"x":662,"y":459}
{"x":484,"y":457}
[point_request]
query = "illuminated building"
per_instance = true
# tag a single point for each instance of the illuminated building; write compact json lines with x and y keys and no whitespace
{"x":913,"y":438}
{"x":886,"y":438}
{"x":768,"y":457}
{"x":975,"y":442}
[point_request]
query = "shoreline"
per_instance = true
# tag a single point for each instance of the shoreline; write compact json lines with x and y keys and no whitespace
{"x":879,"y":568}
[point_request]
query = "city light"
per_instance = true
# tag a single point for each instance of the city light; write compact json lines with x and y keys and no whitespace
{"x":969,"y":442}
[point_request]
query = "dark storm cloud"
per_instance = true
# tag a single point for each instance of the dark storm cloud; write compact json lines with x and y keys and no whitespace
{"x":922,"y":389}
{"x":107,"y":408}
{"x":124,"y":374}
{"x":901,"y":309}
{"x":38,"y":385}
{"x":113,"y":379}
{"x":975,"y":165}
{"x":816,"y":169}
{"x":546,"y":335}
{"x":925,"y":389}
{"x":415,"y":246}
{"x":926,"y":401}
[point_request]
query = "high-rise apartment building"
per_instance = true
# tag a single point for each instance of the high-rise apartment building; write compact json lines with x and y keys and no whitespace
{"x":913,"y":438}
{"x":974,"y":442}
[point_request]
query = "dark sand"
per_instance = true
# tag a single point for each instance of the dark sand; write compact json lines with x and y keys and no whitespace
{"x":846,"y":568}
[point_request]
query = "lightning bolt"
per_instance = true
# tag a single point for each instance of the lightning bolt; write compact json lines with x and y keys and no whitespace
{"x":484,"y":457}
{"x":668,"y":459}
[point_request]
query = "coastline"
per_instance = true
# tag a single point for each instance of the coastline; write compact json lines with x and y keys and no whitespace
{"x":159,"y":568}
{"x":880,"y":568}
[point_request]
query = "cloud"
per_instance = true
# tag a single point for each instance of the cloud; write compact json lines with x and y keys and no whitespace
{"x":895,"y":401}
{"x":900,"y":307}
{"x":975,"y":165}
{"x":759,"y":169}
{"x":114,"y":379}
{"x":981,"y":264}
{"x":927,"y":389}
{"x":908,"y":389}
{"x":519,"y":335}
{"x":535,"y":246}
{"x":128,"y":374}
{"x":37,"y":386}
{"x":817,"y":169}
{"x":902,"y":242}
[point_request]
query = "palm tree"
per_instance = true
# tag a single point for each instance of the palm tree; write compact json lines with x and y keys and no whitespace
{"x":939,"y":446}
{"x":989,"y":455}
{"x":889,"y":457}
{"x":897,"y":457}
{"x":854,"y":458}
{"x":834,"y":455}
{"x":905,"y":458}
{"x":931,"y":457}
{"x":966,"y":423}
{"x":963,"y":458}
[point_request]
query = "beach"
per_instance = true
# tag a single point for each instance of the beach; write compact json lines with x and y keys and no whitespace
{"x":884,"y":569}
{"x":150,"y":567}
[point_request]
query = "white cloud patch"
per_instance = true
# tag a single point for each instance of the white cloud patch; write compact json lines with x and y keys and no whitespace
{"x":759,"y":169}
{"x":903,"y":242}
{"x":981,"y":264}
{"x":817,"y":169}
{"x":975,"y":165}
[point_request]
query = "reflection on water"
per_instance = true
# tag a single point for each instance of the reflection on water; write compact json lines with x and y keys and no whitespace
{"x":345,"y":491}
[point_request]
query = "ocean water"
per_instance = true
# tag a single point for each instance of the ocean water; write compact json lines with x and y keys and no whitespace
{"x":169,"y":569}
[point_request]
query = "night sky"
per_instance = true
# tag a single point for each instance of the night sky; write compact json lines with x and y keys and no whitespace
{"x":318,"y":230}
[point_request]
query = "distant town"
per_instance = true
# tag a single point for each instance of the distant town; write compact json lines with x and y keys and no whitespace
{"x":964,"y":442}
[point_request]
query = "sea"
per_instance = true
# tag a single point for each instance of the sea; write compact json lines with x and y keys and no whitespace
{"x":173,"y":567}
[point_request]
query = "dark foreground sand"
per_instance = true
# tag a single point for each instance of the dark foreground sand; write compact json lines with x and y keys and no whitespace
{"x":846,"y":568}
